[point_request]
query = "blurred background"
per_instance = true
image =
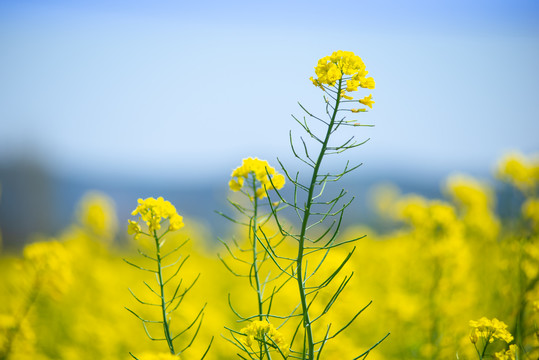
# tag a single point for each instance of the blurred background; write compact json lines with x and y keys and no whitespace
{"x":165,"y":98}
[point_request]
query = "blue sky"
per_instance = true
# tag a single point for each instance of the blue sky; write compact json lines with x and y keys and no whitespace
{"x":182,"y":91}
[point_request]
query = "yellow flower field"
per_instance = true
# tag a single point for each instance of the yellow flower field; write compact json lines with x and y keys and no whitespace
{"x":453,"y":280}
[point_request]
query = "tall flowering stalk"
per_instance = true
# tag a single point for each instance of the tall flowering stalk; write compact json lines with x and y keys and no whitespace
{"x":253,"y":179}
{"x":338,"y":76}
{"x":155,"y":212}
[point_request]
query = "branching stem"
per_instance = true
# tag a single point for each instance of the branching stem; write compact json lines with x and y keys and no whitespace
{"x":260,"y":295}
{"x":304,"y":226}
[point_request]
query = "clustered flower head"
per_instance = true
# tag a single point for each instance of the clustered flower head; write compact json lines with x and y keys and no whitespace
{"x":510,"y":354}
{"x":476,"y":203}
{"x":97,"y":212}
{"x":469,"y":192}
{"x":52,"y":265}
{"x":344,"y":65}
{"x":429,"y":216}
{"x":264,"y":175}
{"x":521,"y":171}
{"x":264,"y":332}
{"x":154,"y":212}
{"x":488,"y":330}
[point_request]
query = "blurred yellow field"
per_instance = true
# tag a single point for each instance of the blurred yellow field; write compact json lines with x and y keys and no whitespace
{"x":450,"y":261}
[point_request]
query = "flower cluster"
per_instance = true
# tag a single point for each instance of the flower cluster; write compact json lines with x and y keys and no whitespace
{"x":489,"y":330}
{"x":50,"y":261}
{"x":96,"y":212}
{"x":429,"y":217}
{"x":263,"y":174}
{"x":521,"y":171}
{"x":154,"y":212}
{"x":264,"y":332}
{"x":344,"y":65}
{"x":475,"y":203}
{"x":510,"y":354}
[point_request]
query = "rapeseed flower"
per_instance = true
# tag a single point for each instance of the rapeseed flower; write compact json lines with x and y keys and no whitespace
{"x":412,"y":209}
{"x":489,"y":330}
{"x":96,"y":212}
{"x":343,"y":65}
{"x":507,"y":355}
{"x":475,"y":201}
{"x":154,"y":212}
{"x":521,"y":171}
{"x":265,"y":176}
{"x":51,"y":263}
{"x":134,"y":229}
{"x":367,"y":100}
{"x":261,"y":331}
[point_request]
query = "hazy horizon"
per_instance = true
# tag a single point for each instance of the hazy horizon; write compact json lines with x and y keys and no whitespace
{"x":185,"y":91}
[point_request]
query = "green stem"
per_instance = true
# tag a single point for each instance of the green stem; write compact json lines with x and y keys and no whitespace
{"x":254,"y":227}
{"x":255,"y":258}
{"x":162,"y":290}
{"x":478,"y":353}
{"x":484,"y":349}
{"x":301,"y":246}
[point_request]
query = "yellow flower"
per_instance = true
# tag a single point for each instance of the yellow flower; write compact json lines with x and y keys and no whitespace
{"x":260,"y":332}
{"x":469,"y":192}
{"x":316,"y":82}
{"x":507,"y":355}
{"x":521,"y":171}
{"x":154,"y":211}
{"x":490,"y":330}
{"x":351,"y":85}
{"x":51,"y":262}
{"x":175,"y":222}
{"x":367,"y":100}
{"x":260,"y":193}
{"x":236,"y":184}
{"x":413,"y":209}
{"x":367,"y":83}
{"x":278,"y":181}
{"x":330,"y":69}
{"x":475,"y":202}
{"x":264,"y":175}
{"x":358,"y":110}
{"x":134,"y":228}
{"x":96,"y":211}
